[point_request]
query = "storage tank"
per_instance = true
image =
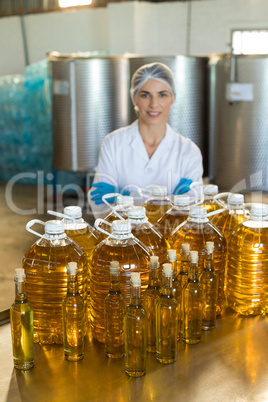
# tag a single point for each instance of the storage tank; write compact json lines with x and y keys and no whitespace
{"x":89,"y":100}
{"x":238,"y":124}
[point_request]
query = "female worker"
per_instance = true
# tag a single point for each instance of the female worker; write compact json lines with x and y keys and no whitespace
{"x":148,"y":152}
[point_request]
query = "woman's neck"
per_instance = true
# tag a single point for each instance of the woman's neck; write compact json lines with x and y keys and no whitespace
{"x":151,"y":136}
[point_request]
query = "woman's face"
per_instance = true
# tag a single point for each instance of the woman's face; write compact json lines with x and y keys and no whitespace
{"x":153,"y":102}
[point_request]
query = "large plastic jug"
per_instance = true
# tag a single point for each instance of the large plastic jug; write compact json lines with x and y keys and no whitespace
{"x":210,"y":191}
{"x":147,"y":233}
{"x":45,"y":264}
{"x":247,"y":275}
{"x":196,"y":231}
{"x":133,"y":256}
{"x":157,"y":204}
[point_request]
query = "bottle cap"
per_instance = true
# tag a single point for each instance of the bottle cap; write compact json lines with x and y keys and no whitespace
{"x":198,"y":212}
{"x":236,"y":199}
{"x":167,"y":270}
{"x":211,"y":189}
{"x":124,"y":200}
{"x":154,"y":262}
{"x":209,"y":247}
{"x":135,"y":279}
{"x":259,"y":210}
{"x":74,"y":212}
{"x":181,"y":200}
{"x":159,"y":190}
{"x":19,"y":275}
{"x":121,"y":226}
{"x":172,"y":255}
{"x":72,"y":268}
{"x":137,"y":213}
{"x":194,"y":256}
{"x":185,"y":249}
{"x":114,"y":267}
{"x":54,"y":227}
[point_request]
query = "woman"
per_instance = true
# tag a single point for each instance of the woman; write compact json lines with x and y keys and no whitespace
{"x":148,"y":152}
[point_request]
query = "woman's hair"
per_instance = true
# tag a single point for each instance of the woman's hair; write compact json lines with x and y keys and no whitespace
{"x":155,"y":71}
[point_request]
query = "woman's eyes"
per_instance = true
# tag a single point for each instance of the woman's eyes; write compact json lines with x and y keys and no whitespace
{"x":161,"y":95}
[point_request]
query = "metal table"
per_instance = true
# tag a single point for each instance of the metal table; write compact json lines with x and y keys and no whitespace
{"x":230,"y":364}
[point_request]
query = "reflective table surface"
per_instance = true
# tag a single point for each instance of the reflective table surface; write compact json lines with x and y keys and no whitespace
{"x":229,"y":364}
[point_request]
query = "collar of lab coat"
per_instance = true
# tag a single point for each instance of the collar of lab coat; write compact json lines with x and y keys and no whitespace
{"x":139,"y":147}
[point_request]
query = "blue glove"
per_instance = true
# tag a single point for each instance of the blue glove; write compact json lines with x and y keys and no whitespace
{"x":183,"y":186}
{"x":103,"y":188}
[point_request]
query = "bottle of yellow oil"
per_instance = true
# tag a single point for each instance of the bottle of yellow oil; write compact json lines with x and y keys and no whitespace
{"x":168,"y":222}
{"x":183,"y":274}
{"x":132,"y":255}
{"x":147,"y":233}
{"x":157,"y":204}
{"x":176,"y":285}
{"x":247,"y":275}
{"x":196,"y":231}
{"x":210,"y":191}
{"x":45,"y":264}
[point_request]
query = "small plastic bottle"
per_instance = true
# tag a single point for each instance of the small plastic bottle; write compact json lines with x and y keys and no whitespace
{"x":135,"y":324}
{"x":176,"y":285}
{"x":166,"y":320}
{"x":114,"y":311}
{"x":192,"y":297}
{"x":168,"y":222}
{"x":21,"y":318}
{"x":73,"y":317}
{"x":210,"y":191}
{"x":157,"y":204}
{"x":147,"y":233}
{"x":150,"y":297}
{"x":209,"y":282}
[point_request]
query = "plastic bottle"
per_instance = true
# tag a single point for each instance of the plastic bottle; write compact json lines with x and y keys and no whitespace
{"x":183,"y":274}
{"x":210,"y":191}
{"x":45,"y":264}
{"x":196,"y":231}
{"x":149,"y":301}
{"x":168,"y":222}
{"x":73,"y":317}
{"x":192,"y":304}
{"x":209,"y":282}
{"x":21,"y":319}
{"x":166,"y":320}
{"x":132,"y":256}
{"x":247,"y":275}
{"x":176,"y":285}
{"x":229,"y":219}
{"x":147,"y":233}
{"x":114,"y":311}
{"x":135,"y":324}
{"x":157,"y":204}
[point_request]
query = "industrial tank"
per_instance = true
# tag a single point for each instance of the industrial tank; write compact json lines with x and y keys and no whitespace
{"x":238,"y":123}
{"x":89,"y":100}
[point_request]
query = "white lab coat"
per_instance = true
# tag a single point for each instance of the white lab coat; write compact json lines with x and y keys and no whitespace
{"x":124,"y":163}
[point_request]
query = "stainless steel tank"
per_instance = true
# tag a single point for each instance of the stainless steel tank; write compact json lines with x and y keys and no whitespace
{"x":238,"y":130}
{"x":188,"y":114}
{"x":89,"y":100}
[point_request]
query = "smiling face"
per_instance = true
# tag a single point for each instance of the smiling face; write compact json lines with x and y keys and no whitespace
{"x":153,"y":102}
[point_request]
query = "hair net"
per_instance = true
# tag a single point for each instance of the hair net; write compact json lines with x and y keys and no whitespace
{"x":154,"y":71}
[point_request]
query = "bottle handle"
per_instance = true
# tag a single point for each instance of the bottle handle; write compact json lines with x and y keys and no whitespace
{"x":60,"y":215}
{"x":33,"y":222}
{"x":218,"y":211}
{"x":221,"y":203}
{"x":98,"y":221}
{"x":113,"y":208}
{"x":198,"y":197}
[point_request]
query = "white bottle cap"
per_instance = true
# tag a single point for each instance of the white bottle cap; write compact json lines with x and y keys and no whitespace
{"x":72,"y":268}
{"x":137,"y":213}
{"x":159,"y":190}
{"x":198,"y":212}
{"x":114,"y":267}
{"x":124,"y":200}
{"x":121,"y":227}
{"x":194,"y":256}
{"x":185,"y":249}
{"x":259,"y":210}
{"x":236,"y":199}
{"x":211,"y":189}
{"x":135,"y":279}
{"x":167,"y":270}
{"x":181,"y":200}
{"x":154,"y":262}
{"x":209,"y":247}
{"x":172,"y":255}
{"x":54,"y":227}
{"x":74,"y":212}
{"x":19,"y":275}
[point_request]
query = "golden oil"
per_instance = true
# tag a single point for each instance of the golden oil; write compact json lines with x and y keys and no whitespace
{"x":158,"y":204}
